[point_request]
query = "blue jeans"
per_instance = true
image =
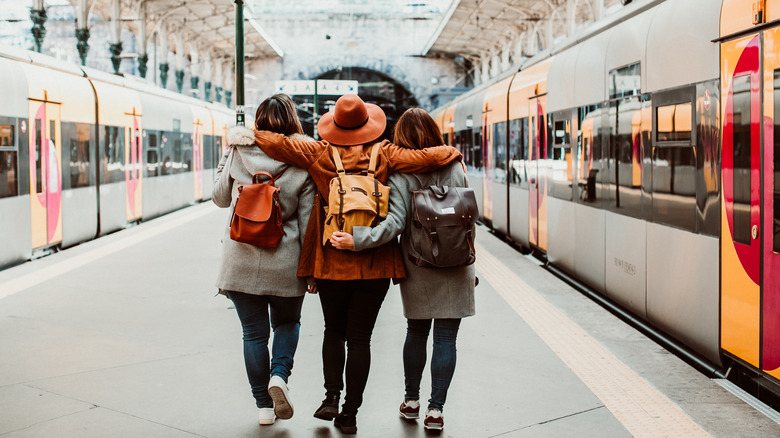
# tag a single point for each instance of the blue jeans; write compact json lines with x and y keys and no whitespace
{"x":285,"y":320}
{"x":445,"y":333}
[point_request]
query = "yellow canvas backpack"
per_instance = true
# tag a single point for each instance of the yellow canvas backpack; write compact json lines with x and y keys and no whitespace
{"x":354,"y":200}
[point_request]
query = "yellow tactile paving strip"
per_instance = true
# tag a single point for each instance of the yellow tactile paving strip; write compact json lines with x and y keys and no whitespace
{"x":642,"y":410}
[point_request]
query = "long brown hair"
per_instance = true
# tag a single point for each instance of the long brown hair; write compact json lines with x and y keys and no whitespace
{"x":416,"y":129}
{"x":278,"y":114}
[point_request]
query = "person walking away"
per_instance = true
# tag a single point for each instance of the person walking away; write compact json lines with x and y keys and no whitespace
{"x":431,"y":296}
{"x":352,"y":284}
{"x":261,"y":282}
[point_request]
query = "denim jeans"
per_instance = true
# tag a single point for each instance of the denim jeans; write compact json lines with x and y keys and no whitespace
{"x":445,"y":333}
{"x":285,"y":320}
{"x":350,"y":309}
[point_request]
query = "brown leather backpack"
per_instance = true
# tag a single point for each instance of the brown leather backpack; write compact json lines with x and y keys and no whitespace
{"x":442,"y":232}
{"x":354,"y":200}
{"x":257,"y":217}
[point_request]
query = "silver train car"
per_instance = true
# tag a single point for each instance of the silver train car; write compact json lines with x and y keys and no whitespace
{"x":84,"y":153}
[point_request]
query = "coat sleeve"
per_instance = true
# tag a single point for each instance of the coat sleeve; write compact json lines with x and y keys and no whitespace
{"x":425,"y":160}
{"x":223,"y":186}
{"x":305,"y":204}
{"x":298,"y":153}
{"x":394,"y":223}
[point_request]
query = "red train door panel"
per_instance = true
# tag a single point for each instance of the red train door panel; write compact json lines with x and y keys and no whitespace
{"x":741,"y":158}
{"x":770,"y":210}
{"x":45,"y":173}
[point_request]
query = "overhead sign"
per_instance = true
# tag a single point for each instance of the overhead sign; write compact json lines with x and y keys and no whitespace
{"x":324,"y":86}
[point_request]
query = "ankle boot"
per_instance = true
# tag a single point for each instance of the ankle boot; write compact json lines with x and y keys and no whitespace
{"x":329,"y":408}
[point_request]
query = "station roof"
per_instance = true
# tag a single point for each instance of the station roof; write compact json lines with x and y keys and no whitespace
{"x":208,"y":23}
{"x":470,"y":27}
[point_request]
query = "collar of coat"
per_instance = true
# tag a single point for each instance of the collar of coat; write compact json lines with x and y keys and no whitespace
{"x":243,"y":136}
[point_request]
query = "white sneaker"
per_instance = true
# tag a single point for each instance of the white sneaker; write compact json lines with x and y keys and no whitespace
{"x":277,"y":389}
{"x":267,"y":416}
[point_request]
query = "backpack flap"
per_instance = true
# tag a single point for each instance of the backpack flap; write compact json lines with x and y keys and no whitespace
{"x":251,"y":197}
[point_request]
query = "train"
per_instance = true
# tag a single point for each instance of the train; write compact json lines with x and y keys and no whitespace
{"x":640,"y":159}
{"x":84,"y":153}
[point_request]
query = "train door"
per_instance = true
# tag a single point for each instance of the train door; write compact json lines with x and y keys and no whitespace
{"x":45,"y":173}
{"x":537,"y":221}
{"x":197,"y":158}
{"x":770,"y":210}
{"x":741,"y":160}
{"x":133,"y":168}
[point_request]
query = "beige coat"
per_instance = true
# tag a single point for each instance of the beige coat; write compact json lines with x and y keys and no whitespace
{"x":427,"y":293}
{"x":247,"y":268}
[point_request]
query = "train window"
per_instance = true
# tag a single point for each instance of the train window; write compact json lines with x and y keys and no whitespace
{"x":518,"y":147}
{"x":38,"y":158}
{"x":77,"y":152}
{"x":590,"y":153}
{"x":446,"y":137}
{"x":674,"y":122}
{"x":9,"y":179}
{"x":477,"y":150}
{"x":499,"y":153}
{"x":208,"y":151}
{"x":625,"y":161}
{"x":113,"y":154}
{"x":742,"y":159}
{"x":176,"y":160}
{"x":776,"y":176}
{"x":625,"y":81}
{"x":707,"y":134}
{"x":152,"y":156}
{"x":561,"y":157}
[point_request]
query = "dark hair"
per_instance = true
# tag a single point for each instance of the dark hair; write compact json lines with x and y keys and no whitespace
{"x":278,"y":114}
{"x":417,"y":130}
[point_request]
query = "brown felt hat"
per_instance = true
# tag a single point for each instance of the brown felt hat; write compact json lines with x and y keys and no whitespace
{"x":352,"y":122}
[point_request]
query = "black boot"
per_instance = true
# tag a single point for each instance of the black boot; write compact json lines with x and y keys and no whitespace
{"x":329,"y":408}
{"x":346,"y":423}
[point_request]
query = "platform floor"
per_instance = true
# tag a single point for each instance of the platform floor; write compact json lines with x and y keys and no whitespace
{"x":124,"y":337}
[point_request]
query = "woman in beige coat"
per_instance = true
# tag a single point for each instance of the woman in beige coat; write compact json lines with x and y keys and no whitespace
{"x":431,"y":296}
{"x":261,"y":279}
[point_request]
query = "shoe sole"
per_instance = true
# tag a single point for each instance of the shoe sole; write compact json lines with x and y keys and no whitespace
{"x":350,"y":430}
{"x":327,"y":414}
{"x":436,"y":427}
{"x":282,"y":407}
{"x":409,"y":416}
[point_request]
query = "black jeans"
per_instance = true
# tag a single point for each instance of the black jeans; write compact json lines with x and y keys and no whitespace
{"x":350,"y":309}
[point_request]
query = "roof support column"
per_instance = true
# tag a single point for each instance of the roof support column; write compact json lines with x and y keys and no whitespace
{"x":598,"y":9}
{"x":143,"y":57}
{"x":116,"y":34}
{"x":239,"y":64}
{"x":179,"y":73}
{"x":548,"y":33}
{"x":164,"y":66}
{"x":38,"y":17}
{"x":207,"y":78}
{"x":571,"y":22}
{"x":82,"y":29}
{"x":194,"y":71}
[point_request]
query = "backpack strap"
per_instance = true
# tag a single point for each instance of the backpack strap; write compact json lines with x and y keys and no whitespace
{"x":273,"y":180}
{"x":469,"y":235}
{"x":372,"y":161}
{"x":337,"y":161}
{"x":257,"y":175}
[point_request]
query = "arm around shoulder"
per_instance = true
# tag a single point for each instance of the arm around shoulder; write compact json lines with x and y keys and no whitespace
{"x":392,"y":226}
{"x":419,"y":160}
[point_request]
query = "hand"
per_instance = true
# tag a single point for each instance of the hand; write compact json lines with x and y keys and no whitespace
{"x":342,"y":240}
{"x":311,"y":286}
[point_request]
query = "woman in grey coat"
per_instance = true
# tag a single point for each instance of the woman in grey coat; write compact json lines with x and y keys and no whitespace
{"x":261,"y":279}
{"x":441,"y":296}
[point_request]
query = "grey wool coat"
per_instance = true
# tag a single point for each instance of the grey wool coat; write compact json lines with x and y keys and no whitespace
{"x":248,"y":268}
{"x":427,"y":293}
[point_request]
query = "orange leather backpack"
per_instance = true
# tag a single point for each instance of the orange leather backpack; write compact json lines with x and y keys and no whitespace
{"x":257,"y":217}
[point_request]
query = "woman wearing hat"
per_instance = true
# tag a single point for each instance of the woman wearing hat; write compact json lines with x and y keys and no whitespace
{"x":352,"y":285}
{"x":432,"y":297}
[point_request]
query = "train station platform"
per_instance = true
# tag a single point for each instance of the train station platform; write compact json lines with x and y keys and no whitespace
{"x":124,"y":337}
